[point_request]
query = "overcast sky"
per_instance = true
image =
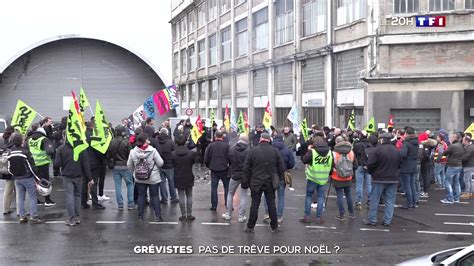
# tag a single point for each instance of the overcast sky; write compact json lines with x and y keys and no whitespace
{"x":141,"y":26}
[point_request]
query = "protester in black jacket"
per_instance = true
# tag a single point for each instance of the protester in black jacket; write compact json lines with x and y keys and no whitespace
{"x":97,"y":165}
{"x":255,"y":136}
{"x":165,"y":148}
{"x":409,"y":156}
{"x":21,"y":167}
{"x":454,"y":153}
{"x":362,"y":175}
{"x":237,"y":155}
{"x":183,"y":160}
{"x":263,"y":171}
{"x":384,"y":166}
{"x":217,"y":160}
{"x":9,"y":189}
{"x":117,"y":156}
{"x":468,"y":167}
{"x":73,"y":173}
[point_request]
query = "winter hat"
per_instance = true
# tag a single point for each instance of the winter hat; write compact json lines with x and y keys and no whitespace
{"x":265,"y":137}
{"x":422,"y":137}
{"x":386,"y":136}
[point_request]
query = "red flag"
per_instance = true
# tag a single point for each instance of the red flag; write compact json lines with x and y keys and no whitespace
{"x":226,"y":118}
{"x":199,"y":123}
{"x":76,"y":103}
{"x":161,"y":101}
{"x":246,"y":121}
{"x":390,"y":121}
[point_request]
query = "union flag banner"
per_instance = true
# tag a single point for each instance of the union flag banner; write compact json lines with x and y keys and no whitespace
{"x":161,"y":101}
{"x":196,"y":131}
{"x":226,"y":118}
{"x":267,"y":117}
{"x":390,"y":121}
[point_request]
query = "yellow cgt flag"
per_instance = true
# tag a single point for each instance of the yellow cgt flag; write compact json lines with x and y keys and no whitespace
{"x":83,"y":101}
{"x":304,"y":129}
{"x":23,"y":117}
{"x":470,"y":130}
{"x":267,"y":117}
{"x":74,"y":134}
{"x":370,"y":127}
{"x":102,"y":137}
{"x":351,"y":123}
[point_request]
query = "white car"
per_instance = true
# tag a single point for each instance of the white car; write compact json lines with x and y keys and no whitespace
{"x":3,"y":126}
{"x":462,"y":256}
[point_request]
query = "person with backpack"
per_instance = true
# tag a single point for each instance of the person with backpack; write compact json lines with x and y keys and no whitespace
{"x":237,"y":155}
{"x":362,"y":174}
{"x":183,"y":160}
{"x":409,"y":155}
{"x":320,"y":164}
{"x":145,"y":162}
{"x":344,"y":164}
{"x":73,"y":172}
{"x":9,"y":190}
{"x":21,"y":166}
{"x":117,"y":156}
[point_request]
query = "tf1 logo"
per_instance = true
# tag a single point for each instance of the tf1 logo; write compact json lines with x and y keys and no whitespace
{"x":420,"y":21}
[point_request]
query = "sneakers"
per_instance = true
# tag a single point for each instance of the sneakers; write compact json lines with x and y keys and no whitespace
{"x":367,"y":222}
{"x":182,"y":218}
{"x":70,"y":222}
{"x":49,"y":203}
{"x":98,"y":207}
{"x":319,"y":220}
{"x":276,"y":230}
{"x":457,"y":201}
{"x":103,"y":198}
{"x":249,"y":230}
{"x":305,"y":220}
{"x":340,"y":218}
{"x":36,"y":220}
{"x":226,"y":216}
{"x":266,"y":219}
{"x":120,"y":208}
{"x":314,"y":205}
{"x":86,"y":206}
{"x":352,"y":216}
{"x":131,"y":208}
{"x":445,"y":201}
{"x":213,"y":209}
{"x":174,"y":201}
{"x":190,"y":218}
{"x":424,"y":195}
{"x":280,"y":220}
{"x":242,"y":219}
{"x":77,"y":220}
{"x":39,"y":202}
{"x":23,"y":220}
{"x":384,"y":224}
{"x":8,"y":212}
{"x":158,"y":219}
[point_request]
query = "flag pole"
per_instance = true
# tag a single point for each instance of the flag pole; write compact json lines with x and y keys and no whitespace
{"x":90,"y":108}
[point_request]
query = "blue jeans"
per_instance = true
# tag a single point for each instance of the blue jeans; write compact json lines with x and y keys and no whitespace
{"x":439,"y":173}
{"x":452,"y":184}
{"x":127,"y":176}
{"x":389,"y":192}
{"x":215,"y":177}
{"x":312,"y":187}
{"x":341,"y":191}
{"x":24,"y":186}
{"x":417,"y":183}
{"x":167,"y":174}
{"x":154,"y":198}
{"x":362,"y":175}
{"x":281,"y":200}
{"x":410,"y":188}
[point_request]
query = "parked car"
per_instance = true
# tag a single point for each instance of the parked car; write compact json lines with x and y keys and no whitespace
{"x":462,"y":256}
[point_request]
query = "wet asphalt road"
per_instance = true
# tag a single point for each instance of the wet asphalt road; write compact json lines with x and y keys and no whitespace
{"x":413,"y":233}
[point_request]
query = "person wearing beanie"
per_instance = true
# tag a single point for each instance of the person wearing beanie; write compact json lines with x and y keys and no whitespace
{"x":263,"y":172}
{"x":217,"y":160}
{"x":237,"y":155}
{"x":42,"y":150}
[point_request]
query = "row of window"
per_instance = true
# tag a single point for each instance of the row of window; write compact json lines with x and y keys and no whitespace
{"x":413,"y":6}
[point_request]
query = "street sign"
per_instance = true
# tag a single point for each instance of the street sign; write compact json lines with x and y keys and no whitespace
{"x":189,"y":112}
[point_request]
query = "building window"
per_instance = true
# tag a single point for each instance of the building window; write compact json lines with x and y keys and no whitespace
{"x":241,"y":36}
{"x":183,"y":27}
{"x":238,"y":2}
{"x":226,"y":87}
{"x":283,"y":21}
{"x":442,"y":5}
{"x":281,"y":117}
{"x":242,"y":85}
{"x":314,"y":16}
{"x":213,"y":89}
{"x":225,"y":6}
{"x":183,"y":61}
{"x":349,"y":64}
{"x":175,"y":32}
{"x":201,"y":15}
{"x":283,"y":79}
{"x":258,"y":116}
{"x":212,"y":4}
{"x":175,"y":64}
{"x":184,"y":93}
{"x":226,"y":44}
{"x":260,"y":82}
{"x":406,"y":6}
{"x":469,"y":4}
{"x":260,"y":25}
{"x":345,"y":114}
{"x":212,"y":49}
{"x":192,"y":92}
{"x":202,"y":91}
{"x":192,"y":21}
{"x":350,"y":10}
{"x":312,"y":74}
{"x":201,"y":53}
{"x":314,"y":116}
{"x":191,"y":59}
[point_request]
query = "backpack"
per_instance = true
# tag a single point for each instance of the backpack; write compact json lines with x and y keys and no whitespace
{"x":142,"y":170}
{"x":344,"y":166}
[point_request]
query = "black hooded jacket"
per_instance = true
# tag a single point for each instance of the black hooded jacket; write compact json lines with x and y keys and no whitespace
{"x":237,"y":155}
{"x":409,"y":155}
{"x":285,"y":152}
{"x":64,"y":159}
{"x":183,"y":160}
{"x":165,"y":148}
{"x":119,"y":150}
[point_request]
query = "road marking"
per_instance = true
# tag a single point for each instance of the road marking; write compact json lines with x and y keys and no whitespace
{"x":454,"y":214}
{"x":54,"y":222}
{"x":215,"y":223}
{"x":444,"y":233}
{"x":163,"y":223}
{"x":471,"y":224}
{"x":9,"y":222}
{"x":292,"y":208}
{"x":374,"y":229}
{"x":320,"y":227}
{"x":462,"y":202}
{"x":299,"y":195}
{"x":110,"y":222}
{"x":262,"y":225}
{"x":423,"y":200}
{"x":60,"y":190}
